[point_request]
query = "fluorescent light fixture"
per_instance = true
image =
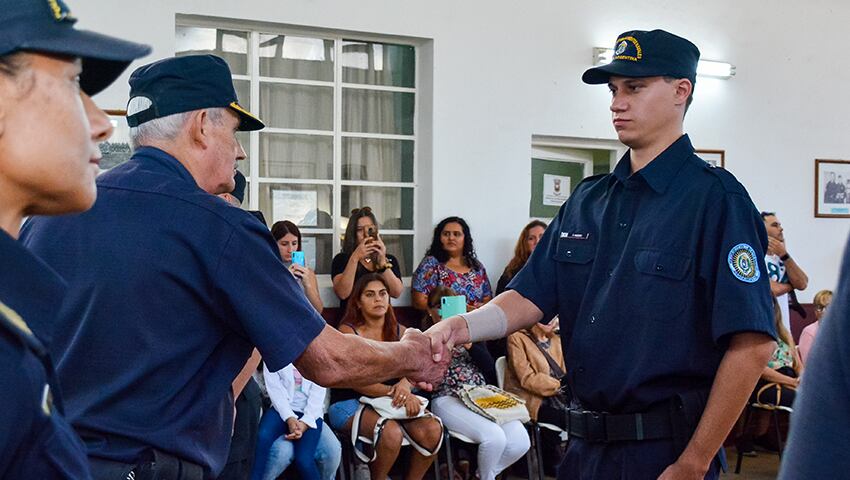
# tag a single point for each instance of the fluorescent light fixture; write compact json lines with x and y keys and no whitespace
{"x":705,"y":68}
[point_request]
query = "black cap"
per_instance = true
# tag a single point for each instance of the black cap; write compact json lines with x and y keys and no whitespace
{"x":47,"y":26}
{"x":183,"y":84}
{"x":648,"y":54}
{"x":239,"y":190}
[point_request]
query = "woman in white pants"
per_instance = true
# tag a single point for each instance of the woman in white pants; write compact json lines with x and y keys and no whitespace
{"x":499,"y":446}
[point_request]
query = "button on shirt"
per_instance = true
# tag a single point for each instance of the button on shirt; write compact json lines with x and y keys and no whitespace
{"x":170,"y":289}
{"x":35,"y":440}
{"x":638,"y":268}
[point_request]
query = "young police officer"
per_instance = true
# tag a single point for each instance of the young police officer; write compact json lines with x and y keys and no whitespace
{"x":665,"y":315}
{"x":49,"y":131}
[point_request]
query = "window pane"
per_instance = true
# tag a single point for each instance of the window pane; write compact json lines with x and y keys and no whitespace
{"x":296,"y":156}
{"x":243,"y":92}
{"x":392,"y":206}
{"x":297,"y":106}
{"x":377,"y":160}
{"x":244,"y":166}
{"x":318,"y":251}
{"x":372,"y":111}
{"x":378,"y":64}
{"x":304,"y":205}
{"x":287,"y":56}
{"x":230,"y":45}
{"x":402,"y":247}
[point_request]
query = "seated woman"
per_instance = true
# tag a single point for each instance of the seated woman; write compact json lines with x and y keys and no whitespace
{"x":528,"y":239}
{"x":363,"y":252}
{"x":777,"y":385}
{"x":451,"y":261}
{"x":296,"y":416}
{"x":807,"y":337}
{"x":534,"y":373}
{"x":499,"y":446}
{"x":370,"y":315}
{"x":288,"y":239}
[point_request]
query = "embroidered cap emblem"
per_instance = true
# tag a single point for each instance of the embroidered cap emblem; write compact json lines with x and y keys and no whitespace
{"x":742,"y":262}
{"x":621,"y":48}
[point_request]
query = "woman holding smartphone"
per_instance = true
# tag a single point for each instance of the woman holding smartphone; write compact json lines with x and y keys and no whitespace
{"x":363,"y":252}
{"x":288,"y":239}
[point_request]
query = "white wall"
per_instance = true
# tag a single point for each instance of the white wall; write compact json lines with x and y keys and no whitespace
{"x":506,"y":70}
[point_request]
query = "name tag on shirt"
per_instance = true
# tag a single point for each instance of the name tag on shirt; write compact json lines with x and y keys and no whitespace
{"x":575,"y":236}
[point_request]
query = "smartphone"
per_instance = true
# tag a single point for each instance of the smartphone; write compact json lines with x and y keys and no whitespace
{"x":371,"y":232}
{"x":298,"y":258}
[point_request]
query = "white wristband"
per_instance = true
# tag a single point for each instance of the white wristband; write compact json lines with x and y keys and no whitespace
{"x":486,"y":323}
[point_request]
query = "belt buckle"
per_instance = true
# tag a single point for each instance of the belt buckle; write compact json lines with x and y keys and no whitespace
{"x":595,"y":426}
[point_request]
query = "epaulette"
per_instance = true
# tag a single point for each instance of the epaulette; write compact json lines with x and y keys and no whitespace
{"x":728,"y":181}
{"x":14,"y":324}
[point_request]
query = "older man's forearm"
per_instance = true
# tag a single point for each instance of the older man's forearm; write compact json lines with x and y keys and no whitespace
{"x":736,"y":377}
{"x":334,"y":359}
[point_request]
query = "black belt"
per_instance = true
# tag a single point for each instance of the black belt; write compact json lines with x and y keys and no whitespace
{"x":653,"y":424}
{"x":161,"y":466}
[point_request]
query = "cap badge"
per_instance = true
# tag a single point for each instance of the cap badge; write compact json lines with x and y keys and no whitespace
{"x":60,"y":11}
{"x":621,"y":48}
{"x":742,"y":262}
{"x":620,"y":53}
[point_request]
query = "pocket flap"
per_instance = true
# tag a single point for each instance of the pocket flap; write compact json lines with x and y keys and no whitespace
{"x":573,"y":250}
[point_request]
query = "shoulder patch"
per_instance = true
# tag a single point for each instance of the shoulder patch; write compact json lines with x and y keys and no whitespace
{"x":742,"y":262}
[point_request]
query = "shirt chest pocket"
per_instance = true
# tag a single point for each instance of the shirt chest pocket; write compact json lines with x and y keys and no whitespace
{"x":575,"y":251}
{"x":662,"y":276}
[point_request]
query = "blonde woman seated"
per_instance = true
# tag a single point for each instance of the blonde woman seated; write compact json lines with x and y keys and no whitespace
{"x":807,"y":337}
{"x":370,"y":315}
{"x":777,"y":385}
{"x":499,"y":446}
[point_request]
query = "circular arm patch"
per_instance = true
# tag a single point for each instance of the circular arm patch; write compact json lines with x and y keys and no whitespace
{"x":742,"y":262}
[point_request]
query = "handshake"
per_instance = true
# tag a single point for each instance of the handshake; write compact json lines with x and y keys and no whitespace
{"x":430,"y":352}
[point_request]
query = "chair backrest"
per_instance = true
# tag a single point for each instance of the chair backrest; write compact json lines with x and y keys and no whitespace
{"x":501,"y":364}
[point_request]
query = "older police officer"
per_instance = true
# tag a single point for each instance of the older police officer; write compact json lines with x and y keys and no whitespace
{"x":654,"y":270}
{"x":171,"y":289}
{"x":49,"y":130}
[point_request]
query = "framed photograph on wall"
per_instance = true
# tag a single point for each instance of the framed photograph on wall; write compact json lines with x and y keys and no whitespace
{"x":832,"y":188}
{"x":117,"y":149}
{"x":713,"y":157}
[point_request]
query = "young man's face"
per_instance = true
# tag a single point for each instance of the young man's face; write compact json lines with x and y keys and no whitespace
{"x":645,"y":109}
{"x":49,"y":136}
{"x":774,"y":228}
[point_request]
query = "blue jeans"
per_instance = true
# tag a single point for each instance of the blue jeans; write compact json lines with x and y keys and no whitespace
{"x":272,"y":428}
{"x":328,"y":454}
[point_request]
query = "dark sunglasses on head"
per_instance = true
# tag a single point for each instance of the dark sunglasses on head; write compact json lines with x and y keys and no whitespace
{"x":363,"y":210}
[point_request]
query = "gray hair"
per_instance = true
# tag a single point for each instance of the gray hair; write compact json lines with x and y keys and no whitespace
{"x":164,"y":128}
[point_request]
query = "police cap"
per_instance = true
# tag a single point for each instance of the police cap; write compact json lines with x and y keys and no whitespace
{"x":183,"y":84}
{"x":648,"y":54}
{"x":47,"y":26}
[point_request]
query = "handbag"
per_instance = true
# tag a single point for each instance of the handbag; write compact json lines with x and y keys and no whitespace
{"x":494,"y":404}
{"x":383,"y":406}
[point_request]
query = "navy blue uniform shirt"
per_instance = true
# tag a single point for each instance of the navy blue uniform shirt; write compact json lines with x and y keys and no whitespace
{"x":650,"y":274}
{"x":818,"y":439}
{"x":169,"y":290}
{"x":35,"y":440}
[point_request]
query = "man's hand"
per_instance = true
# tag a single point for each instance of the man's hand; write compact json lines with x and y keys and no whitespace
{"x":426,"y":372}
{"x":776,"y":246}
{"x":445,"y":335}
